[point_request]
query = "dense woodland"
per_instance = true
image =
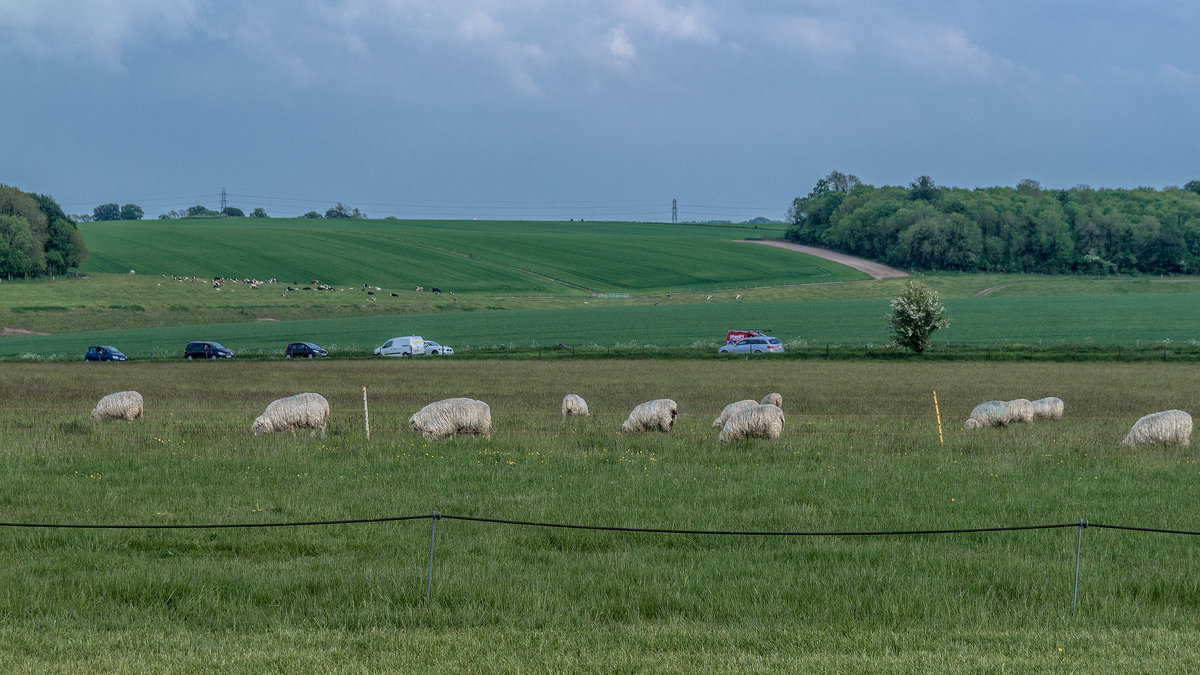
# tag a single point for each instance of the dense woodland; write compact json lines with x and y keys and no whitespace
{"x":1004,"y":229}
{"x":36,"y":236}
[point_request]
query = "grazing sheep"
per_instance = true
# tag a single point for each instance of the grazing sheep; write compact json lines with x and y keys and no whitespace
{"x":656,"y":415}
{"x":1169,"y":426}
{"x":1049,"y":408}
{"x":988,"y":414}
{"x":302,"y":411}
{"x":773,"y":399}
{"x":451,"y":416}
{"x":123,"y":405}
{"x":1020,"y":410}
{"x":573,"y":404}
{"x":1000,"y":414}
{"x":760,"y":421}
{"x":732,"y":409}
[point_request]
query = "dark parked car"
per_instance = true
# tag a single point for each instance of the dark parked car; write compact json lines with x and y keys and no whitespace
{"x":103,"y":353}
{"x":206,"y":350}
{"x":303,"y":350}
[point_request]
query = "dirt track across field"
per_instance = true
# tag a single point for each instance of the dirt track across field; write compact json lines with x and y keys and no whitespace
{"x":7,"y":331}
{"x":875,"y":269}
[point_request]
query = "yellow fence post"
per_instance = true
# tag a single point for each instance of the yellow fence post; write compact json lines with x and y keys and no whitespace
{"x":938,"y":412}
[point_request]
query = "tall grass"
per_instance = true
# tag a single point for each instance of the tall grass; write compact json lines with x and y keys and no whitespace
{"x":860,"y":452}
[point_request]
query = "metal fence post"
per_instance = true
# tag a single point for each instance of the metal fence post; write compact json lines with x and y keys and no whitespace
{"x":432,"y":535}
{"x":1078,"y":548}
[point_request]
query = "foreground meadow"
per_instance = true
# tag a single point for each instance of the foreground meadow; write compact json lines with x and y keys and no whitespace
{"x":860,"y":453}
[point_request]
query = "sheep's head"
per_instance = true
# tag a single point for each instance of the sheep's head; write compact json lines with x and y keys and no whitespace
{"x":261,"y":426}
{"x":972,"y":423}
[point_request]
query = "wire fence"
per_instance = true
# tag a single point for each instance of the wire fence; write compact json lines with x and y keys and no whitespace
{"x":435,"y":516}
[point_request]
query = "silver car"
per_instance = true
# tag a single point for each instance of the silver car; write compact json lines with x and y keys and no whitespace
{"x":762,"y":344}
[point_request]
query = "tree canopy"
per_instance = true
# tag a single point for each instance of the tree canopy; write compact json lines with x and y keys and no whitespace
{"x":36,"y":236}
{"x":1025,"y":228}
{"x":106,"y":212}
{"x":131,"y":212}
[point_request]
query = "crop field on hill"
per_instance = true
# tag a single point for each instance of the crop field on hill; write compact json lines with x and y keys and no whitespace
{"x":860,"y":453}
{"x":1166,"y":318}
{"x":498,"y":258}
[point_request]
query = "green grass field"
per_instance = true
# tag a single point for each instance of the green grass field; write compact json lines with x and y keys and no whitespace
{"x":1163,"y":318}
{"x":860,"y":452}
{"x":121,"y":301}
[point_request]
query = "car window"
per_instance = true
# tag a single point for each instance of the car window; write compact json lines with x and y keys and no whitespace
{"x":775,"y":341}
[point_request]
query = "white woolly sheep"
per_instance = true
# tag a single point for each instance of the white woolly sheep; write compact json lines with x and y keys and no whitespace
{"x":730,"y":410}
{"x":1169,"y":426}
{"x":573,"y":404}
{"x":302,"y":411}
{"x":123,"y":405}
{"x":761,"y":421}
{"x":656,"y":415}
{"x":773,"y":399}
{"x":1020,"y":410}
{"x":988,"y":414}
{"x":999,"y":414}
{"x":1049,"y":408}
{"x":445,"y":418}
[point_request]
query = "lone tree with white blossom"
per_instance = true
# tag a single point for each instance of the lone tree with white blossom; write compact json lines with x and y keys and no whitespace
{"x":916,"y":313}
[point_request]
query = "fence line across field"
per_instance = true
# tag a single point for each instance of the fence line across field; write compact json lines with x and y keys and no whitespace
{"x":435,"y":516}
{"x":545,"y":413}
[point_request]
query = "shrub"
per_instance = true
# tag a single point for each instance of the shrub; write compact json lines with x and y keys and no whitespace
{"x":916,"y":313}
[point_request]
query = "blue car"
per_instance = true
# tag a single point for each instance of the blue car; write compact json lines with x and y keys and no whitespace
{"x":104,"y":353}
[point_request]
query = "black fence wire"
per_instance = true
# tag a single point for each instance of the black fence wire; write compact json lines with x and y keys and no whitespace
{"x":435,"y":516}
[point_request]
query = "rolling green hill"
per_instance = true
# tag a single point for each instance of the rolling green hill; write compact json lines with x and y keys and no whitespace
{"x":525,"y":283}
{"x":499,"y":258}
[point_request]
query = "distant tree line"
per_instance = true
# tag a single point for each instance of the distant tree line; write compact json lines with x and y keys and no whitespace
{"x":36,"y":236}
{"x":199,"y":211}
{"x":924,"y":226}
{"x":337,"y":212}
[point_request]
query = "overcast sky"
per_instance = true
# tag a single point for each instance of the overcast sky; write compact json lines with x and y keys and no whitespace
{"x":602,"y":109}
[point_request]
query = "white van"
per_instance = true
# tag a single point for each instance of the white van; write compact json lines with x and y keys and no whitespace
{"x":402,"y":346}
